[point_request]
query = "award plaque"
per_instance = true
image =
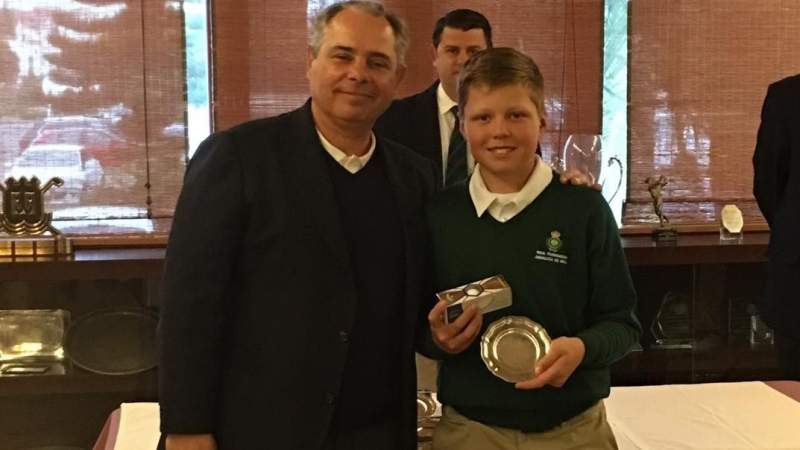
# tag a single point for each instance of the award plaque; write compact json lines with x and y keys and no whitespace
{"x":511,"y":346}
{"x":731,"y":223}
{"x":25,"y":227}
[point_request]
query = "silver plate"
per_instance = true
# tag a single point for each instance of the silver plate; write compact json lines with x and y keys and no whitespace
{"x":114,"y":342}
{"x":511,"y":346}
{"x":426,"y":406}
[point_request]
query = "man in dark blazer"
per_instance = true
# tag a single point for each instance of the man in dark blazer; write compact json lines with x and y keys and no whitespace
{"x":297,"y":262}
{"x":776,"y":186}
{"x":425,"y":121}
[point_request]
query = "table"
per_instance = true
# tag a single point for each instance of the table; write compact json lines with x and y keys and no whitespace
{"x":732,"y":416}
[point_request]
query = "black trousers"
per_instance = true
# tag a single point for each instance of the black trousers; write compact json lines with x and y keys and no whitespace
{"x":382,"y":436}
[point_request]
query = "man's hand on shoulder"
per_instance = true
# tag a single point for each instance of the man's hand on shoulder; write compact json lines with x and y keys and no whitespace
{"x":191,"y":442}
{"x":578,"y":178}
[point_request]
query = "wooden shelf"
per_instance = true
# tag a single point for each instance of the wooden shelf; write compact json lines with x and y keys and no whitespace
{"x":123,"y":263}
{"x":695,"y":249}
{"x":78,"y":381}
{"x":724,"y":362}
{"x":87,"y":264}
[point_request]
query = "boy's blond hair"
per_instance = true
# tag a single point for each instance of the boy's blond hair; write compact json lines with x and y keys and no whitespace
{"x":501,"y":66}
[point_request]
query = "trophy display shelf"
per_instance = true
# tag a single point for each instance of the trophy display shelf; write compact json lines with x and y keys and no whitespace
{"x":695,"y":365}
{"x":700,"y":247}
{"x":26,"y":229}
{"x":32,"y":247}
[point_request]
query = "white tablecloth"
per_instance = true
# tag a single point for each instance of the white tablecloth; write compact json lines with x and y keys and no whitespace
{"x":714,"y":416}
{"x":723,"y":416}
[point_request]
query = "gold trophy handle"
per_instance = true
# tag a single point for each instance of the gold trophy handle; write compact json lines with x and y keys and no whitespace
{"x":58,"y":182}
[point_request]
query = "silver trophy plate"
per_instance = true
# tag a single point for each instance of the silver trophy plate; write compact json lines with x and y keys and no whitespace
{"x":511,"y":346}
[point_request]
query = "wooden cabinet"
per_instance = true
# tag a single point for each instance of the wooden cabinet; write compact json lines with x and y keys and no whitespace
{"x":710,"y":286}
{"x":698,"y":303}
{"x":70,"y":409}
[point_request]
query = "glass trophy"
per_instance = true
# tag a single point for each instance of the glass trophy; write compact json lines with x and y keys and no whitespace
{"x":672,"y":326}
{"x":760,"y":333}
{"x":32,"y":341}
{"x":584,"y":152}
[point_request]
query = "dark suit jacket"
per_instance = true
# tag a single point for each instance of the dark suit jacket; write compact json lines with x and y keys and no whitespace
{"x":258,"y":291}
{"x":414,"y":122}
{"x":776,"y":186}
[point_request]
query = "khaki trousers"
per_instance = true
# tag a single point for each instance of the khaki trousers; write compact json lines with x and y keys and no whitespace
{"x":587,"y":430}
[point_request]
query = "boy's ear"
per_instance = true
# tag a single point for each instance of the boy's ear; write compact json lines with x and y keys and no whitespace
{"x":542,"y":123}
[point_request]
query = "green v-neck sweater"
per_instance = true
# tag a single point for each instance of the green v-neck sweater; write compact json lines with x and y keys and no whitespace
{"x":564,"y":261}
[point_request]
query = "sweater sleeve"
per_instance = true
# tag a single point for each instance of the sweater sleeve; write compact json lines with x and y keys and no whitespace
{"x":612,"y":328}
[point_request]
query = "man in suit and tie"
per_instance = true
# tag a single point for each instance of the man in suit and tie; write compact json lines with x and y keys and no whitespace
{"x":297,"y":263}
{"x":776,"y":186}
{"x":427,"y":122}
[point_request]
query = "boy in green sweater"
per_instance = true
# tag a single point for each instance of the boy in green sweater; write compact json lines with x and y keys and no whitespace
{"x":558,"y":247}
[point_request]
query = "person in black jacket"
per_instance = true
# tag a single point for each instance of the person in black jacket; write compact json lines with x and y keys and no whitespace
{"x":427,"y":122}
{"x":297,"y":262}
{"x":776,"y":186}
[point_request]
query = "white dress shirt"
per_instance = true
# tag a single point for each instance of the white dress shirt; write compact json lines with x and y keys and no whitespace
{"x":351,"y":163}
{"x":503,"y":207}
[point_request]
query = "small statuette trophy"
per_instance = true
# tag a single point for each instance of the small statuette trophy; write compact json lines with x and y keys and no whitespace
{"x":664,"y":233}
{"x":25,"y":227}
{"x":731,"y":224}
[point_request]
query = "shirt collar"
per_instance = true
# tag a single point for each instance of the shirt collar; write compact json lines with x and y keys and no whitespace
{"x":483,"y":198}
{"x":444,"y":102}
{"x":351,"y":163}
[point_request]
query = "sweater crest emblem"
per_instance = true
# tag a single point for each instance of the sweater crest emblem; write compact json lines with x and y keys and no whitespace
{"x":553,"y":242}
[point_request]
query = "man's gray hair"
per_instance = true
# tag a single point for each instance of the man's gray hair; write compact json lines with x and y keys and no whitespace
{"x":321,"y":21}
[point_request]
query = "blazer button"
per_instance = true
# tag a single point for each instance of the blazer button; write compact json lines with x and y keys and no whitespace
{"x":330,"y":398}
{"x":344,"y":337}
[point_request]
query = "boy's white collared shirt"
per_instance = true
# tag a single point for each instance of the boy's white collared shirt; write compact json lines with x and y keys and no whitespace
{"x":503,"y":207}
{"x":351,"y":163}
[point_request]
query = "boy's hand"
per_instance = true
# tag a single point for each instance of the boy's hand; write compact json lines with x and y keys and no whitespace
{"x":578,"y":178}
{"x":557,"y":365}
{"x":456,"y":336}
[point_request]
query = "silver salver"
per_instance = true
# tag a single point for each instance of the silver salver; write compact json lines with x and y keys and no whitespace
{"x":511,"y":346}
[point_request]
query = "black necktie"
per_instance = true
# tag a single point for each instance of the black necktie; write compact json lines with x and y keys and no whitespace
{"x":456,"y":155}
